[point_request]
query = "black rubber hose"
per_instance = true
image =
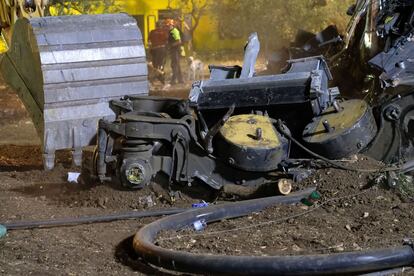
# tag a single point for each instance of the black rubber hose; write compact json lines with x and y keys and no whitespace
{"x":341,"y":263}
{"x":21,"y":225}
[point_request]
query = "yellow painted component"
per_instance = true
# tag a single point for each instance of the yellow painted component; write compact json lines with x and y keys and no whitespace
{"x":3,"y":45}
{"x":148,"y":11}
{"x":206,"y":36}
{"x":241,"y":130}
{"x":388,"y":19}
{"x":352,"y":112}
{"x":11,"y":11}
{"x":55,"y":11}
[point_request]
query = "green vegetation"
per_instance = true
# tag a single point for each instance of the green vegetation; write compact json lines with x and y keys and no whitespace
{"x":277,"y":21}
{"x":65,"y":7}
{"x":3,"y":45}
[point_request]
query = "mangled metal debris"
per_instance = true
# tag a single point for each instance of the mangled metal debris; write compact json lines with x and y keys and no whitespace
{"x":234,"y":131}
{"x":238,"y":128}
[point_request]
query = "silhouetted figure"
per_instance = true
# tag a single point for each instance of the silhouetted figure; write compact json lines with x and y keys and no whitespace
{"x":158,"y":40}
{"x":174,"y":47}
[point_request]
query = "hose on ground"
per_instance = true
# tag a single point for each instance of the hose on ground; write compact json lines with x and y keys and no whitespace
{"x":340,"y":263}
{"x":22,"y":225}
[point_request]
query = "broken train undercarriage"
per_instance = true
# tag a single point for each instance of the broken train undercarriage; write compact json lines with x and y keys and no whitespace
{"x":234,"y":131}
{"x":241,"y":129}
{"x":237,"y":128}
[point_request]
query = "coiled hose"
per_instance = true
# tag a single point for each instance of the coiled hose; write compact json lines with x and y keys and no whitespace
{"x":328,"y":264}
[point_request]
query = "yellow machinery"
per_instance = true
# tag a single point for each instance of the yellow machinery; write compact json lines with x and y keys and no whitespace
{"x":11,"y":10}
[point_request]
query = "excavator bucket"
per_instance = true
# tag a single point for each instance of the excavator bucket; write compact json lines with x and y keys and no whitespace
{"x":67,"y":69}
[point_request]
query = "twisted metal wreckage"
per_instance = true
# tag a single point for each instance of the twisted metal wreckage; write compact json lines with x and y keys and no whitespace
{"x":238,"y":131}
{"x":249,"y":130}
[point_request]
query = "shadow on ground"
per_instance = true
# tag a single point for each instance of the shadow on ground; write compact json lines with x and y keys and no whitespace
{"x":126,"y":255}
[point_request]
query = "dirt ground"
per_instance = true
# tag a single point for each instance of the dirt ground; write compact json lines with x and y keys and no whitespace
{"x":29,"y":193}
{"x":351,"y":215}
{"x":355,"y":212}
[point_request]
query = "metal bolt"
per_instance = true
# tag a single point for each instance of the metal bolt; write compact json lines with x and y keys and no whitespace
{"x":327,"y":126}
{"x":394,"y":114}
{"x":337,"y":107}
{"x":401,"y":65}
{"x":259,"y":133}
{"x":252,"y":121}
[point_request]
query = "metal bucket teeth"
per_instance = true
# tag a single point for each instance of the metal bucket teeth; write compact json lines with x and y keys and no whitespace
{"x":67,"y":69}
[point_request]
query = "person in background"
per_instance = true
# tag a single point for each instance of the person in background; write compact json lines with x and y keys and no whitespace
{"x":174,"y":47}
{"x":157,"y":42}
{"x":187,"y":38}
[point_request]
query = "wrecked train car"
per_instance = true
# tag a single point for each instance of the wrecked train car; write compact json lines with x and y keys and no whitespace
{"x":248,"y":130}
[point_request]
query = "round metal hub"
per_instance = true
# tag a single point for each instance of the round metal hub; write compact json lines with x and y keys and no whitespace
{"x":135,"y":173}
{"x":338,"y":133}
{"x":251,"y":142}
